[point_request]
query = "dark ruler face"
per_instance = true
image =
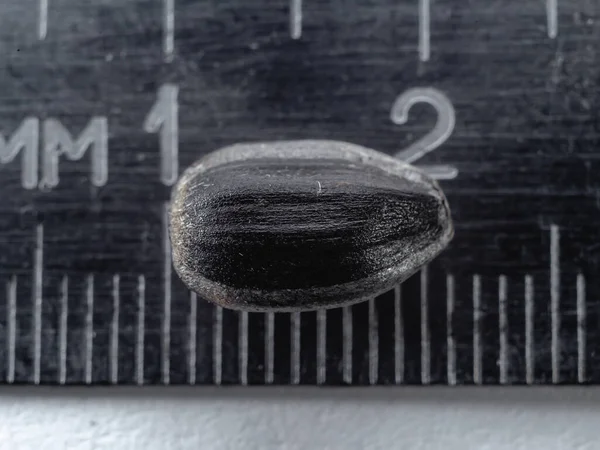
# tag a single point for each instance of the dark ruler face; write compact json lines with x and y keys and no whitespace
{"x":104,"y":102}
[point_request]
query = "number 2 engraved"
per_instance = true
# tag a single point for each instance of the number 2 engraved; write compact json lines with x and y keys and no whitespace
{"x":436,"y":137}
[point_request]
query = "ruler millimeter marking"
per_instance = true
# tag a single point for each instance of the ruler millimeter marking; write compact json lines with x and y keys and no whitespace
{"x":114,"y":331}
{"x":377,"y":308}
{"x":89,"y":294}
{"x":11,"y":291}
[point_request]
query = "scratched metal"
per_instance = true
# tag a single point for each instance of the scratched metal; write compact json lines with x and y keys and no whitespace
{"x":104,"y":102}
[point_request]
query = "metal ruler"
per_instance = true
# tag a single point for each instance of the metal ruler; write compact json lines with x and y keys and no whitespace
{"x":104,"y":102}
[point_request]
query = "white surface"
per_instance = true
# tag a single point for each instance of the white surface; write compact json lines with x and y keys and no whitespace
{"x":272,"y":418}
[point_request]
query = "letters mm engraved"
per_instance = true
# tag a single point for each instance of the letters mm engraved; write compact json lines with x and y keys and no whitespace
{"x":55,"y":140}
{"x":24,"y":140}
{"x":58,"y":141}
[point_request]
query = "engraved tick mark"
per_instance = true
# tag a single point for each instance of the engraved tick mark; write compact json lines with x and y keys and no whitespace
{"x":37,"y":302}
{"x":321,"y":346}
{"x":425,"y":335}
{"x":62,"y":330}
{"x":89,"y":329}
{"x":552,"y":18}
{"x":296,"y":19}
{"x":192,"y":338}
{"x":373,"y":343}
{"x":43,"y":19}
{"x":581,"y":329}
{"x":141,"y":318}
{"x":218,"y":345}
{"x":398,"y":337}
{"x":450,"y":342}
{"x":477,"y":369}
{"x":347,"y":346}
{"x":166,"y":326}
{"x":424,"y":30}
{"x":503,"y":326}
{"x":555,"y":300}
{"x":269,"y":347}
{"x":243,"y":347}
{"x":114,"y":331}
{"x":169,"y":29}
{"x":11,"y":293}
{"x":529,"y":345}
{"x":295,"y":347}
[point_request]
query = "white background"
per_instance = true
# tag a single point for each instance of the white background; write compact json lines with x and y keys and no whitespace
{"x":430,"y":418}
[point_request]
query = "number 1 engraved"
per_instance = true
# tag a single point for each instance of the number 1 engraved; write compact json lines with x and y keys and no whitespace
{"x":163,"y":119}
{"x":435,"y":138}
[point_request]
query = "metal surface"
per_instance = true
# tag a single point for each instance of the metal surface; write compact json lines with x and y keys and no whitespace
{"x":102,"y":103}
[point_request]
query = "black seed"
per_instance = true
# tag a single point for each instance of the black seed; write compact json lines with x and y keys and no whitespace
{"x":303,"y":225}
